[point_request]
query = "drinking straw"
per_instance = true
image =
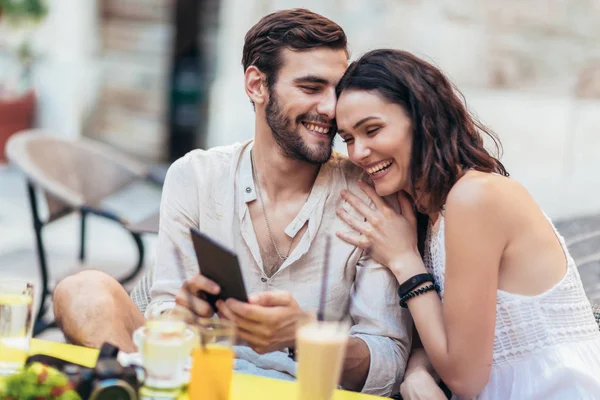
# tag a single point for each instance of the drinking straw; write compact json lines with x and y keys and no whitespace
{"x":321,"y":312}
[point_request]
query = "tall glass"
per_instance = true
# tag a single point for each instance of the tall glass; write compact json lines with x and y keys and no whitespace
{"x":165,"y":344}
{"x":212,"y":361}
{"x":321,"y":347}
{"x":16,"y":321}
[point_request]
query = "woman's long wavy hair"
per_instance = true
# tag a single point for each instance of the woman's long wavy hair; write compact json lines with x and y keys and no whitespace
{"x":447,"y":140}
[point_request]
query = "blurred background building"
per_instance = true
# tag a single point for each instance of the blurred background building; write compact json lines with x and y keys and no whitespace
{"x":157,"y":78}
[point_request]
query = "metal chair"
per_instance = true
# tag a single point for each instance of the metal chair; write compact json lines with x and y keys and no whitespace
{"x":74,"y":176}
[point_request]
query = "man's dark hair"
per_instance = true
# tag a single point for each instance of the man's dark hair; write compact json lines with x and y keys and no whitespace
{"x":298,"y":30}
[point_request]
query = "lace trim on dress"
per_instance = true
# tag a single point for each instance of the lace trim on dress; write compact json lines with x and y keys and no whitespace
{"x":527,"y":324}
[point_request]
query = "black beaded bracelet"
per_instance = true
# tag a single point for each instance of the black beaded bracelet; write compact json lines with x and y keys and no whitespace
{"x":415,"y":293}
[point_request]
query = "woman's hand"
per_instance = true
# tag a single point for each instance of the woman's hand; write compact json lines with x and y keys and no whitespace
{"x":388,"y":236}
{"x":420,"y":385}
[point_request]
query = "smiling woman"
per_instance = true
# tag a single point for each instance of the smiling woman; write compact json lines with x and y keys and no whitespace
{"x":435,"y":132}
{"x":511,"y":319}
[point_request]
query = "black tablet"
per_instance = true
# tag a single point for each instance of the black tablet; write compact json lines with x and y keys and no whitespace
{"x":219,"y":265}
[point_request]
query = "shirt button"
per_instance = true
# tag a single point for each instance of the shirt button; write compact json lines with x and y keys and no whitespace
{"x":248,"y":189}
{"x":263,"y":279}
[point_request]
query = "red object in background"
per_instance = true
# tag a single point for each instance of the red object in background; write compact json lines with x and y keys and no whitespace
{"x":16,"y":114}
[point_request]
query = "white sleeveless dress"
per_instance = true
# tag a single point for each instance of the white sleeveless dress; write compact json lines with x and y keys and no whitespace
{"x":545,"y":346}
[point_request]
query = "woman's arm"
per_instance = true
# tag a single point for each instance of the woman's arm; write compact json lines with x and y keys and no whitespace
{"x":418,"y":361}
{"x":458,"y":335}
{"x":420,"y":379}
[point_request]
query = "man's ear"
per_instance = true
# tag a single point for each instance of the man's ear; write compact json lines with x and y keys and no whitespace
{"x":255,"y":83}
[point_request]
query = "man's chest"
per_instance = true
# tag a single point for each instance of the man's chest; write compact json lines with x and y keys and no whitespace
{"x":268,"y":226}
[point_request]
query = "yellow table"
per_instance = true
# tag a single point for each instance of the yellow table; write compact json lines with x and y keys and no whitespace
{"x":246,"y":387}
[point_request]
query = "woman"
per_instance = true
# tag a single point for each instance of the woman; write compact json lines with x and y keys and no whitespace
{"x":511,"y":319}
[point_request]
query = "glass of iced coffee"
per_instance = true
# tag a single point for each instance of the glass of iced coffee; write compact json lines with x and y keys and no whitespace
{"x":320,"y":351}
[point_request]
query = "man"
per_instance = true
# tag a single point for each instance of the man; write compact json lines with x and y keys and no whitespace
{"x":273,"y":200}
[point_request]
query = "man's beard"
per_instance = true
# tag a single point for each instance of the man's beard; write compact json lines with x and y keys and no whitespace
{"x":290,"y":141}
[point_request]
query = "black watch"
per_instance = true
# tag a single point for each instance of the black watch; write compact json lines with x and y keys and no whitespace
{"x":413,"y":282}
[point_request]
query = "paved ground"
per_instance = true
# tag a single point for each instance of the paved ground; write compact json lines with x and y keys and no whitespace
{"x":582,"y":236}
{"x":111,"y":249}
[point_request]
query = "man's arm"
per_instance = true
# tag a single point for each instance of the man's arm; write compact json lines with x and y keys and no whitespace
{"x":178,"y":212}
{"x":356,"y":364}
{"x":380,"y":339}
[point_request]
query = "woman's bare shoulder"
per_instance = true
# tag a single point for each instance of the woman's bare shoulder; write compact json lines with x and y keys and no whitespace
{"x":487,"y":193}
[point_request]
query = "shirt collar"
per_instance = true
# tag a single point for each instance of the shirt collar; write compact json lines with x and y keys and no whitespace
{"x":246,"y":187}
{"x":247,"y":191}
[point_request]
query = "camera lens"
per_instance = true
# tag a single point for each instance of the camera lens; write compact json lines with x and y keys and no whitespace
{"x":113,"y":389}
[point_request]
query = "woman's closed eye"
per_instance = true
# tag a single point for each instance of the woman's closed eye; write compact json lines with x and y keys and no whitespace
{"x":373,"y":130}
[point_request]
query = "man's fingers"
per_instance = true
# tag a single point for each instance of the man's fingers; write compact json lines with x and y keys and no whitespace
{"x":257,"y":344}
{"x":271,"y":299}
{"x":200,"y":283}
{"x":248,"y":311}
{"x":255,"y":328}
{"x":225,"y":311}
{"x":196,"y":305}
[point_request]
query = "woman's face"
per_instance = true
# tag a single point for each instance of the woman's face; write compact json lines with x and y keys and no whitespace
{"x":378,"y":135}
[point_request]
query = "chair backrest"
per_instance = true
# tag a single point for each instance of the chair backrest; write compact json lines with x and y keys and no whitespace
{"x":596,"y":311}
{"x":140,"y":295}
{"x":74,"y":172}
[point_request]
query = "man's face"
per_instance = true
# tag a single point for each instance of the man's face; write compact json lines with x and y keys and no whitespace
{"x":301,"y":107}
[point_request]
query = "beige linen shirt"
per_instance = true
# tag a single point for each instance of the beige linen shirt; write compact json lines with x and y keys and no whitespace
{"x":211,"y":189}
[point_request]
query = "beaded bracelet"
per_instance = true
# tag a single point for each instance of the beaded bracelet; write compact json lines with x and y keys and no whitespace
{"x":415,"y":293}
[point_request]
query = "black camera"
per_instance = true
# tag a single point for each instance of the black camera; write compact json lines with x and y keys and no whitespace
{"x":108,"y":380}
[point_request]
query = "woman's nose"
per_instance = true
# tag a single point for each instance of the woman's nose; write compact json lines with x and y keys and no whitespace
{"x":361,"y":150}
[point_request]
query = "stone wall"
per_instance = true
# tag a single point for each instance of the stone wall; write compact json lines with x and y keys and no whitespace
{"x":530,"y":69}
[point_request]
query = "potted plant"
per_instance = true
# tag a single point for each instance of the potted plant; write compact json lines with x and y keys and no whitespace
{"x":18,"y":22}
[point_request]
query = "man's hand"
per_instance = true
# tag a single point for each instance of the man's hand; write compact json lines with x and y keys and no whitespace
{"x":420,"y":385}
{"x":267,"y":322}
{"x":193,"y":290}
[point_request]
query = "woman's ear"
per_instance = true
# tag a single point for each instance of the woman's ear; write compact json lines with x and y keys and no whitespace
{"x":255,"y":84}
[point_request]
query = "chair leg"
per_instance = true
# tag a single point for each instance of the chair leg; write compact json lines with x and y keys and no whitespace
{"x":140,"y":264}
{"x":82,"y":239}
{"x":39,"y":324}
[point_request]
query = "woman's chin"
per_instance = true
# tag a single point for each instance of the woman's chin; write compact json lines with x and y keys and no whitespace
{"x":387,"y":188}
{"x":384,"y":190}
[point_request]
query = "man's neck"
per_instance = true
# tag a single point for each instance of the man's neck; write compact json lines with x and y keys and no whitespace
{"x":280,"y":177}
